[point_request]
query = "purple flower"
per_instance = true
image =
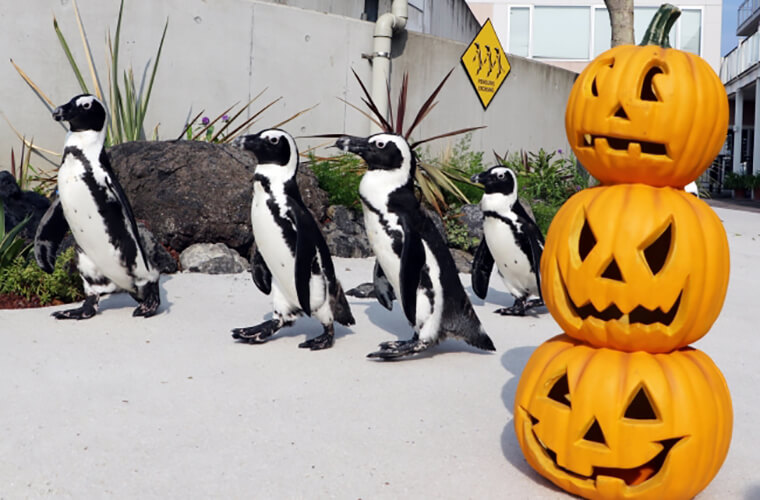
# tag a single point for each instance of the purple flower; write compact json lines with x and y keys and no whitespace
{"x":559,"y":151}
{"x":205,"y":120}
{"x":225,"y":118}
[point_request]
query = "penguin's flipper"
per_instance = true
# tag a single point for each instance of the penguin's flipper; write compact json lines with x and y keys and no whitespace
{"x":536,"y":239}
{"x":49,"y":235}
{"x":383,"y":288}
{"x":307,"y":239}
{"x":412,"y":262}
{"x":482,"y":265}
{"x":261,"y":274}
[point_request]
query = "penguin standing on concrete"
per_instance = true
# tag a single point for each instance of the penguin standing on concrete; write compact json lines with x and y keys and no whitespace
{"x":91,"y":202}
{"x":413,"y":258}
{"x":289,"y":246}
{"x":511,"y":239}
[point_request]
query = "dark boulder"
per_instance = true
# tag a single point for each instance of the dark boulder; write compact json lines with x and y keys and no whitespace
{"x":193,"y":192}
{"x":344,"y":233}
{"x":18,"y":204}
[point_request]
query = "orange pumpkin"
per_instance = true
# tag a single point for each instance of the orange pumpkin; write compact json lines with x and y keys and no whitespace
{"x":634,"y":267}
{"x":602,"y":423}
{"x":647,"y":113}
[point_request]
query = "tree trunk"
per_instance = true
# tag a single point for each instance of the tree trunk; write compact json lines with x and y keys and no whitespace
{"x":621,"y":20}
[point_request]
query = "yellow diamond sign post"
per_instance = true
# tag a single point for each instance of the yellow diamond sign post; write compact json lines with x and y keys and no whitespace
{"x":486,"y":63}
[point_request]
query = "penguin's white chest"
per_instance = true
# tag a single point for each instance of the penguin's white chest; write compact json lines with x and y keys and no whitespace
{"x":511,"y":261}
{"x":270,"y":239}
{"x":86,"y":222}
{"x":382,"y":244}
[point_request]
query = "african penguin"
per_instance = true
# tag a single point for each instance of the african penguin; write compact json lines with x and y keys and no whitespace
{"x":511,"y":239}
{"x":289,"y":246}
{"x":413,"y":258}
{"x":92,"y":204}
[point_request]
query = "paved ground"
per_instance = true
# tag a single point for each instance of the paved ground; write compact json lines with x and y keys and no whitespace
{"x":171,"y":407}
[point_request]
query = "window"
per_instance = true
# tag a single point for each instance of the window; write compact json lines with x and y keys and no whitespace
{"x":519,"y":30}
{"x":691,"y":30}
{"x":561,"y":32}
{"x":642,"y":16}
{"x":602,"y":31}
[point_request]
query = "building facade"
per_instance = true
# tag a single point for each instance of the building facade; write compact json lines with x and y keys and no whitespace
{"x":570,"y":33}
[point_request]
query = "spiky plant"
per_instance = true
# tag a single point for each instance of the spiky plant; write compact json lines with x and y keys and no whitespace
{"x":431,"y":179}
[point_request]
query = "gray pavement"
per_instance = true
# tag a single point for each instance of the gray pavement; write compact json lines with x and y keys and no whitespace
{"x":172,"y":407}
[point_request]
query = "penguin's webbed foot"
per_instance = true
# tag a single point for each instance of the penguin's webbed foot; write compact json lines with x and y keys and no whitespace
{"x":86,"y":311}
{"x":400,"y":348}
{"x":148,"y":306}
{"x":516,"y":309}
{"x":324,"y":341}
{"x":257,"y":334}
{"x":530,"y":304}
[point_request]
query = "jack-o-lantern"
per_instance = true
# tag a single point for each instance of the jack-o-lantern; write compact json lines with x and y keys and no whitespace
{"x":635,"y":267}
{"x":602,"y":423}
{"x":647,"y":113}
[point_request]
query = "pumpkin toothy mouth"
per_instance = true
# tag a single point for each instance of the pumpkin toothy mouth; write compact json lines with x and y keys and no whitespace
{"x":618,"y":144}
{"x":633,"y":476}
{"x":639,"y":314}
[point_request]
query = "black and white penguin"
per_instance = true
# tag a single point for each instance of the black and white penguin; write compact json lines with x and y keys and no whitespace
{"x":92,"y":204}
{"x":414,"y":261}
{"x":511,"y":239}
{"x":289,"y":246}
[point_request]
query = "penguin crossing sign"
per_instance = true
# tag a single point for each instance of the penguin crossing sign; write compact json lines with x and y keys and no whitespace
{"x":486,"y":63}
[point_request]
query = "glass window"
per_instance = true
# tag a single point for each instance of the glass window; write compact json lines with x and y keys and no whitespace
{"x":519,"y":30}
{"x":691,"y":30}
{"x":561,"y":32}
{"x":602,"y":31}
{"x":642,"y":16}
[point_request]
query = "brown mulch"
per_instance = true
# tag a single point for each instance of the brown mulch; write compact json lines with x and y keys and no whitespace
{"x":13,"y":301}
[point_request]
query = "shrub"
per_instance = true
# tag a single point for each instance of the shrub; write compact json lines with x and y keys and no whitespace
{"x":24,"y":277}
{"x":339,"y":176}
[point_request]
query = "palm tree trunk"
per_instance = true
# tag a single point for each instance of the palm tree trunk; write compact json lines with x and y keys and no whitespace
{"x":621,"y":20}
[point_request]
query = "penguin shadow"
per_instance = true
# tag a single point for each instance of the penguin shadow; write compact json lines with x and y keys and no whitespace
{"x":514,"y":360}
{"x":500,"y":300}
{"x":753,"y":492}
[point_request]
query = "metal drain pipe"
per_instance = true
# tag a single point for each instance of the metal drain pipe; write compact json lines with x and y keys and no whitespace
{"x":395,"y":20}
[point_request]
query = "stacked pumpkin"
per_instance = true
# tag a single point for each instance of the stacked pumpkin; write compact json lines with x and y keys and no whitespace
{"x":633,"y":270}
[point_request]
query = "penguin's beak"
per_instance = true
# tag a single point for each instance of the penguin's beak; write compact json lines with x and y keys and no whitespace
{"x":247,"y":142}
{"x":351,"y":144}
{"x":477,"y":178}
{"x":59,"y":114}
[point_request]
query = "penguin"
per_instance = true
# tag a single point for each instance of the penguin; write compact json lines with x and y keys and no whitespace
{"x":511,"y":239}
{"x":291,"y":259}
{"x":413,"y":261}
{"x":92,"y":204}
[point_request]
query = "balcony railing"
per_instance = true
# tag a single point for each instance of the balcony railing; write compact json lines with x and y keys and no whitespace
{"x":739,"y":60}
{"x":748,"y":17}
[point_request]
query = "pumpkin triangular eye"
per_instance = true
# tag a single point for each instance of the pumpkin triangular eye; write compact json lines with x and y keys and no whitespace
{"x":595,"y":434}
{"x":586,"y":242}
{"x":560,"y":391}
{"x":594,"y":90}
{"x":641,"y":407}
{"x":647,"y":88}
{"x":657,"y":253}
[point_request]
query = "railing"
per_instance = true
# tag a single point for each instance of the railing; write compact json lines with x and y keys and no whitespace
{"x":746,"y":9}
{"x":743,"y":57}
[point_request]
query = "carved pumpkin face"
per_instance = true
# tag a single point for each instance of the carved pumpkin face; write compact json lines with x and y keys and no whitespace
{"x":647,"y":114}
{"x":634,"y":267}
{"x":602,"y":423}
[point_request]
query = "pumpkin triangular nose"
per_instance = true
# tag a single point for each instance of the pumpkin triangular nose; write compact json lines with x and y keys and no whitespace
{"x":613,"y":272}
{"x":620,"y":113}
{"x":595,"y":434}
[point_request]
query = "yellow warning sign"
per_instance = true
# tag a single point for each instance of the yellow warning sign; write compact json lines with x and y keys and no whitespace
{"x":486,"y":63}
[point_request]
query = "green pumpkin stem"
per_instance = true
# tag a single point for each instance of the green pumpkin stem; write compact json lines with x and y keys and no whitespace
{"x":658,"y":32}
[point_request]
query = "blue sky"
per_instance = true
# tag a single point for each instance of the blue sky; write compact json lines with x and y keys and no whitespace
{"x":728,"y":31}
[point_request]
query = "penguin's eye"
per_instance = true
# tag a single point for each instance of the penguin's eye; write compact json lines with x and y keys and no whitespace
{"x":87,"y":105}
{"x":274,"y":140}
{"x":380,"y":144}
{"x":500,"y":175}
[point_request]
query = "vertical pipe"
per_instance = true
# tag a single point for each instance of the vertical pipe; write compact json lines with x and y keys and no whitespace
{"x":386,"y":24}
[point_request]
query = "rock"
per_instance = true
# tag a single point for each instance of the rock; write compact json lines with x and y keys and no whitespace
{"x":158,"y":255}
{"x":212,"y":258}
{"x":344,"y":233}
{"x":462,"y":259}
{"x":18,"y":204}
{"x":439,"y":225}
{"x":192,"y":191}
{"x":471,"y":217}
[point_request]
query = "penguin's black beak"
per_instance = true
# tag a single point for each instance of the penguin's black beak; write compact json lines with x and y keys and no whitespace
{"x":351,"y":144}
{"x":247,"y":142}
{"x":59,"y":113}
{"x":477,"y":178}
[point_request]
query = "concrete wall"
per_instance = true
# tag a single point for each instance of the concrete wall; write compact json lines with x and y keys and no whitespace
{"x":222,"y":52}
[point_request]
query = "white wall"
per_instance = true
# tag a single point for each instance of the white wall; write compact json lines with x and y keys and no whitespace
{"x":226,"y":51}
